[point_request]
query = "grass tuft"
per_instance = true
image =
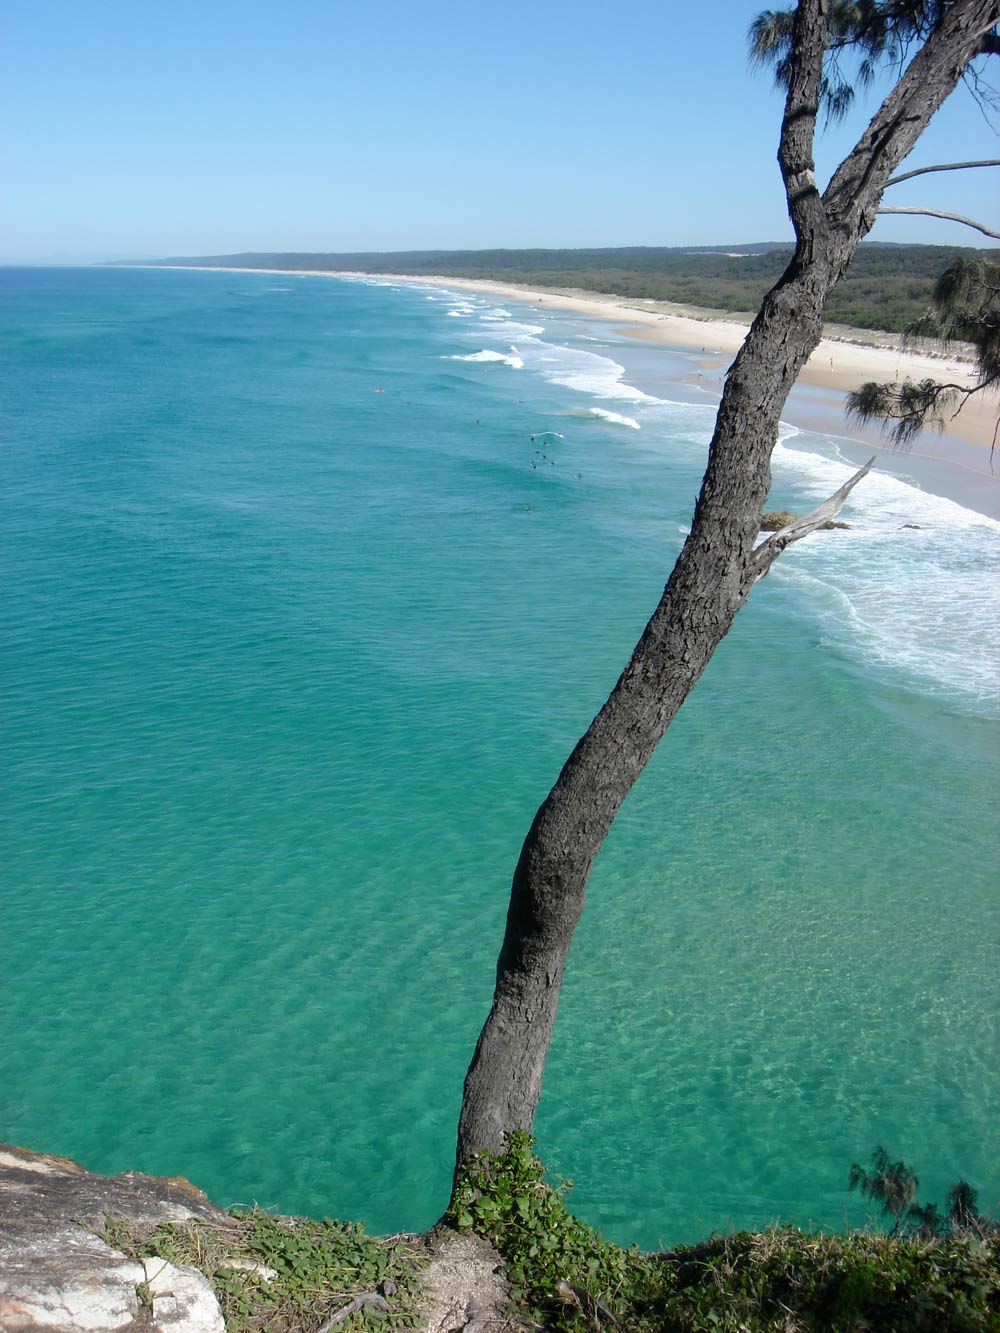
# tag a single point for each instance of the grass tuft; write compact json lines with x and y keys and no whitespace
{"x":317,"y":1267}
{"x":566,"y":1277}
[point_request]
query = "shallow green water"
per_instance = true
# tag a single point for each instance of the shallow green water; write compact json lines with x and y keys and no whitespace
{"x":290,"y":664}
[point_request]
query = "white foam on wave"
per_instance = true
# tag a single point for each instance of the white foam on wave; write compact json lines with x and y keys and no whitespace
{"x":918,"y":601}
{"x":441,"y":294}
{"x":511,"y":328}
{"x":682,"y":426}
{"x":586,"y":372}
{"x":571,"y":367}
{"x":914,"y":603}
{"x":602,"y":414}
{"x":511,"y":358}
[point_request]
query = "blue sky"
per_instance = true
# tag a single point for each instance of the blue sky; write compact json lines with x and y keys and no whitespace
{"x":154,"y":129}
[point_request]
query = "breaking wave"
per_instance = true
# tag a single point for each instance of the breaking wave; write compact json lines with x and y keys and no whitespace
{"x":602,"y":414}
{"x":511,"y":358}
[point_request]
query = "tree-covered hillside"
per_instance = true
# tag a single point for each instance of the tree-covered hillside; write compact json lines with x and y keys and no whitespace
{"x":885,"y":287}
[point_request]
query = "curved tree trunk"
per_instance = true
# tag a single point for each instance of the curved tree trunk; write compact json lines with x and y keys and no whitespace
{"x":709,"y":583}
{"x":714,"y":573}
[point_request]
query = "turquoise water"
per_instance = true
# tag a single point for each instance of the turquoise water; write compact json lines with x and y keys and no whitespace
{"x":288,"y":665}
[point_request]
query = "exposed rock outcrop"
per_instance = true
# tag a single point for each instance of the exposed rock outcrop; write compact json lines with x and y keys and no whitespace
{"x":57,"y":1274}
{"x":777,"y":519}
{"x":464,"y":1286}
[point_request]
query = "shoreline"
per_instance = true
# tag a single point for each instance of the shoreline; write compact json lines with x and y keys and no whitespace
{"x":954,"y":463}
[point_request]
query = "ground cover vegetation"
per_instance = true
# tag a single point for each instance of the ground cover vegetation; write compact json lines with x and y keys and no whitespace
{"x":566,"y":1277}
{"x":934,"y":1271}
{"x":287,"y":1275}
{"x":887,"y":287}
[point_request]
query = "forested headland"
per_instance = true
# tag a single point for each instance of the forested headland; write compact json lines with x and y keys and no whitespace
{"x":886,"y":286}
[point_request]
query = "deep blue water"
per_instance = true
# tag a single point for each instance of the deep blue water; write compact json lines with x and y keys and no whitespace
{"x":296,"y":639}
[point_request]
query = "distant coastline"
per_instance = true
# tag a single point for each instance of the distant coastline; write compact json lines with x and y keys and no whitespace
{"x":956,"y":463}
{"x":885,"y":288}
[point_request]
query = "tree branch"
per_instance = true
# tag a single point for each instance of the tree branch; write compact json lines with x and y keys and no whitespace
{"x":855,"y":191}
{"x":768,"y":551}
{"x":903,"y":410}
{"x":948,"y":217}
{"x":944,"y":166}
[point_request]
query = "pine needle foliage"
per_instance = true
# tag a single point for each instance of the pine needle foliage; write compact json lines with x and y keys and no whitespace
{"x":890,"y":1184}
{"x":965,"y":308}
{"x":863,"y":37}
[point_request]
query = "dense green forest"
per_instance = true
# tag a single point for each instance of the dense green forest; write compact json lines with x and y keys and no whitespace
{"x":886,"y":286}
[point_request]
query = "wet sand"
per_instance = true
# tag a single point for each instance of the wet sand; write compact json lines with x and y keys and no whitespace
{"x":956,"y":463}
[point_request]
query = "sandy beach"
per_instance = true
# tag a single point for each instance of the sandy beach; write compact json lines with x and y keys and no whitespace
{"x":839,"y":363}
{"x":955,"y":463}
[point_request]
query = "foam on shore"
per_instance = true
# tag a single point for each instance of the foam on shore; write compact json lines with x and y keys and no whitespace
{"x":905,"y":590}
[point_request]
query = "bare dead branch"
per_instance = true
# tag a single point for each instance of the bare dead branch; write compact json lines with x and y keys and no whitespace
{"x":944,"y":166}
{"x":370,"y":1299}
{"x":768,"y":551}
{"x":948,"y":217}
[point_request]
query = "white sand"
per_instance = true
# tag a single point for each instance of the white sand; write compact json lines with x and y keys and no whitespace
{"x":843,"y":360}
{"x":838,"y":363}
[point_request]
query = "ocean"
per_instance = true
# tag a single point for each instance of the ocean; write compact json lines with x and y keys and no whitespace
{"x":311,"y":586}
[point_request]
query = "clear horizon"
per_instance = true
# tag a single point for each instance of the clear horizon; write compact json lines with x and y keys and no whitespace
{"x":237,"y":130}
{"x":83,"y":261}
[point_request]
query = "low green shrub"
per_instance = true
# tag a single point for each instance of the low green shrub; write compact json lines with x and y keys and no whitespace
{"x":317,"y":1267}
{"x":548,"y":1251}
{"x":567,"y":1277}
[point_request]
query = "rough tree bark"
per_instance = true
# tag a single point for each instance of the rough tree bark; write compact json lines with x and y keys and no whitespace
{"x":716,"y":569}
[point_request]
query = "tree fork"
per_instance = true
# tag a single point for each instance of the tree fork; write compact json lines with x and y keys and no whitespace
{"x":715,"y":571}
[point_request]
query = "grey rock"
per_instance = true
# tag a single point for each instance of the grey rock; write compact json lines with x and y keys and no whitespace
{"x":777,"y":519}
{"x":56,"y":1274}
{"x":181,"y":1298}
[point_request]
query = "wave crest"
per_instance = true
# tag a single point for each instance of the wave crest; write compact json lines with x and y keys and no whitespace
{"x":602,"y":414}
{"x":510,"y":358}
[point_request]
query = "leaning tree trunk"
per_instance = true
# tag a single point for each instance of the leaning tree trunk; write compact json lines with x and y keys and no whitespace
{"x":715,"y":571}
